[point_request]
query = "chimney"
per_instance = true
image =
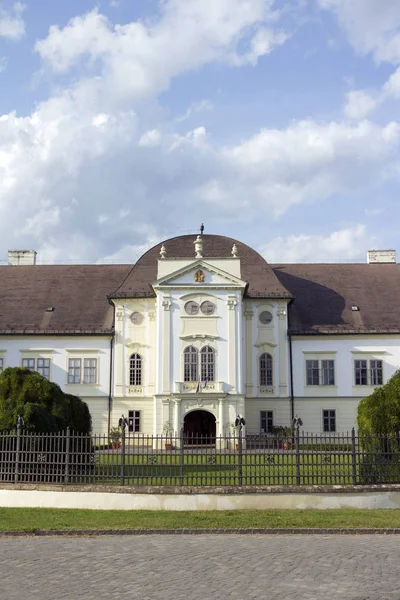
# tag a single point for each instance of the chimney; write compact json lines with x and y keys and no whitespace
{"x":21,"y":257}
{"x":381,"y":257}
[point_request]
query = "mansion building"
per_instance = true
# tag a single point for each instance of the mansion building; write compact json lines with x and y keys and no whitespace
{"x":202,"y":329}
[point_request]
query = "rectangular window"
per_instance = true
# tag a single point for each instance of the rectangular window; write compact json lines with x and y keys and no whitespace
{"x":320,"y":372}
{"x":266,"y":421}
{"x":1,"y":365}
{"x":368,"y":372}
{"x":328,"y":372}
{"x":329,"y":420}
{"x":312,"y":372}
{"x":43,"y":367}
{"x":376,"y":372}
{"x":134,"y":421}
{"x":28,"y":363}
{"x":90,"y":370}
{"x":74,"y":370}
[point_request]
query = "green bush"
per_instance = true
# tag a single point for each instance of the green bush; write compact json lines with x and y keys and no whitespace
{"x":42,"y":404}
{"x":379,"y":413}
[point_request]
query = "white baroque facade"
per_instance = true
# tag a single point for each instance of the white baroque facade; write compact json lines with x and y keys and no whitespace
{"x":203,"y":329}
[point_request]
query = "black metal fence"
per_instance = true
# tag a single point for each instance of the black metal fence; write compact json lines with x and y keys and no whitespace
{"x":239,"y":460}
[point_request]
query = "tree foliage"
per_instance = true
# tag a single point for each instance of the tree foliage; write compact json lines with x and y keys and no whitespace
{"x":42,"y":404}
{"x":379,"y":413}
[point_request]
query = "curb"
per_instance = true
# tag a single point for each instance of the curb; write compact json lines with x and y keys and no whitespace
{"x":144,"y":532}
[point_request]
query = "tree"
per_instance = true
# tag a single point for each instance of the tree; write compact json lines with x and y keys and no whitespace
{"x":379,"y":413}
{"x":42,"y":404}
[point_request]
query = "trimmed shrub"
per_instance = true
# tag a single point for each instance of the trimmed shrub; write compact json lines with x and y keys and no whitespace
{"x":42,"y":404}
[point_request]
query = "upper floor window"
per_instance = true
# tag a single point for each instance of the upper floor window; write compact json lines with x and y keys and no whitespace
{"x":266,"y":369}
{"x":207,"y":363}
{"x":190,"y":359}
{"x":28,"y":363}
{"x":320,"y":372}
{"x":74,"y":370}
{"x":135,"y":370}
{"x":368,"y":372}
{"x":87,"y":375}
{"x":90,"y":370}
{"x":41,"y":365}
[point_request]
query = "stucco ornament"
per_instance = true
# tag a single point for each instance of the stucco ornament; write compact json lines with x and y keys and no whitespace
{"x":198,"y":246}
{"x":199,"y":276}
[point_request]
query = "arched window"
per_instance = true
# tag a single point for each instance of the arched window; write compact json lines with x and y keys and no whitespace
{"x":135,"y":370}
{"x":190,"y":364}
{"x":207,"y":364}
{"x":265,"y":369}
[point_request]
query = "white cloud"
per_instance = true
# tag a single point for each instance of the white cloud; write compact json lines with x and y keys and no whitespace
{"x":99,"y":167}
{"x":196,"y":107}
{"x":343,"y":244}
{"x":359,"y":104}
{"x":372,"y":27}
{"x":187,"y":35}
{"x":12,"y":25}
{"x":150,"y":139}
{"x":3,"y":63}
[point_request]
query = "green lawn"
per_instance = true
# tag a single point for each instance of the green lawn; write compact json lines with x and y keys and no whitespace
{"x":31,"y":519}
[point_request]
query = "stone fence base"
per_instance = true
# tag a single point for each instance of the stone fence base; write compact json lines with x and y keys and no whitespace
{"x":176,"y":499}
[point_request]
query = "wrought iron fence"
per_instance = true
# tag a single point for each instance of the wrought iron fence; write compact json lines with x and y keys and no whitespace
{"x":238,"y":460}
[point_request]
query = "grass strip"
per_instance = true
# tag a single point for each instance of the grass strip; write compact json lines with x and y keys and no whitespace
{"x":32,"y":519}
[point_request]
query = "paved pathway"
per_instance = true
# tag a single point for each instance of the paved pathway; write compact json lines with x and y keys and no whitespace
{"x":201,"y":567}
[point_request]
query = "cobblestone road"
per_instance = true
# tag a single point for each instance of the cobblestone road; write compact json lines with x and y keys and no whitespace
{"x":183,"y":567}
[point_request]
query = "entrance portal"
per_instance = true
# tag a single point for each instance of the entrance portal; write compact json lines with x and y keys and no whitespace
{"x":199,"y":427}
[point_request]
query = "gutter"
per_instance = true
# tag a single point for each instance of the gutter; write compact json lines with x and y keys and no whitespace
{"x":110,"y":379}
{"x":291,"y":375}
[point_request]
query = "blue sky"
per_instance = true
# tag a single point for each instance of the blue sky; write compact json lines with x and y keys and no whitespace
{"x":126,"y":122}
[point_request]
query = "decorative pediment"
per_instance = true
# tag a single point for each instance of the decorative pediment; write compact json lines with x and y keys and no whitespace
{"x":200,"y":274}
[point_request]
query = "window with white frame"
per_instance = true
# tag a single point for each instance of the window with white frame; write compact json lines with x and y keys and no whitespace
{"x":135,"y":369}
{"x":43,"y":367}
{"x":207,"y":362}
{"x":134,"y":421}
{"x":74,"y":370}
{"x":29,"y":363}
{"x":90,"y":370}
{"x":197,"y":363}
{"x":266,"y":421}
{"x":320,"y":372}
{"x":266,"y":369}
{"x":190,"y":360}
{"x":368,"y":372}
{"x":329,"y":420}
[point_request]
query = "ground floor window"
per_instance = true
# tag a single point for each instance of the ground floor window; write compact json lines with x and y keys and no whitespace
{"x":134,"y":421}
{"x":266,"y":421}
{"x":329,"y":420}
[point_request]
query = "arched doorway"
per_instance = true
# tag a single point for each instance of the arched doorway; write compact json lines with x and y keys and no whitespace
{"x":199,"y":427}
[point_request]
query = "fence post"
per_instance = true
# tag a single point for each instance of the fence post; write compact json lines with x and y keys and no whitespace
{"x":181,"y":459}
{"x":67,"y":450}
{"x":123,"y":429}
{"x":353,"y":455}
{"x":297,"y":455}
{"x":240,"y":458}
{"x":17,"y":451}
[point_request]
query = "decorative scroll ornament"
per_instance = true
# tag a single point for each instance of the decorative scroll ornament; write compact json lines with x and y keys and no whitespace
{"x":234,"y":252}
{"x":163,"y":251}
{"x":199,"y":276}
